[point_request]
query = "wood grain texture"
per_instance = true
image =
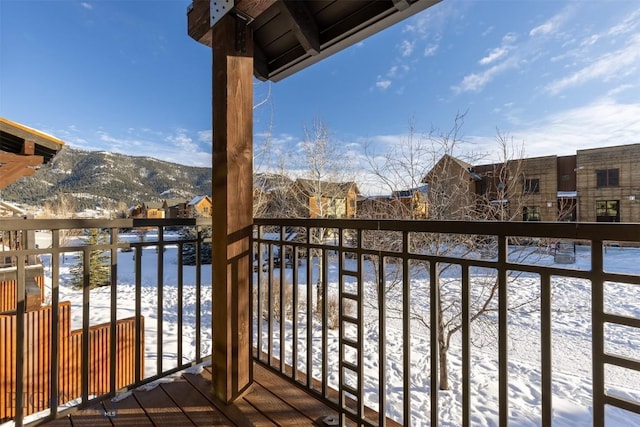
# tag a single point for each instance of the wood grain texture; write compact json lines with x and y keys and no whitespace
{"x":232,"y":182}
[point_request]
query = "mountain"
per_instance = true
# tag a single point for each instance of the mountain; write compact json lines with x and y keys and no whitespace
{"x":106,"y":180}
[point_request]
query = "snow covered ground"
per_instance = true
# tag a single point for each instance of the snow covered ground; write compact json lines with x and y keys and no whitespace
{"x":571,"y":316}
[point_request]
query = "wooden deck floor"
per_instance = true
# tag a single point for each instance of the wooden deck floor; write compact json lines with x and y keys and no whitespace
{"x":272,"y":401}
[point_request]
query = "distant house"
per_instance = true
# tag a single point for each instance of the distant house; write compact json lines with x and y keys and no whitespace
{"x":176,"y":208}
{"x":452,"y":188}
{"x":324,"y":199}
{"x":155,"y":210}
{"x":599,"y":184}
{"x":200,"y":206}
{"x":414,"y":200}
{"x":172,"y":208}
{"x":271,"y":195}
{"x":377,"y":207}
{"x":139,"y":210}
{"x":412,"y":203}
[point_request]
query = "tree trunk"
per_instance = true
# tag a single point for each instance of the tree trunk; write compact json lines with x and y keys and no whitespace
{"x":320,"y":288}
{"x":444,"y":370}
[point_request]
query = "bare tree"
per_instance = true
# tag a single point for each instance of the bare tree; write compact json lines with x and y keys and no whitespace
{"x":313,"y":183}
{"x":456,"y":191}
{"x":64,"y":206}
{"x":321,"y":190}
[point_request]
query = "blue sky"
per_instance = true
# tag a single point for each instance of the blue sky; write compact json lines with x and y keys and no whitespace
{"x":124,"y":76}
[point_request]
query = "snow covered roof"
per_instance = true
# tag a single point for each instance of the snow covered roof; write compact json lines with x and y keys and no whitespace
{"x":196,"y":200}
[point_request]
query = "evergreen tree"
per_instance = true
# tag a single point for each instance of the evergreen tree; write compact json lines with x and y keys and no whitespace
{"x":99,"y":266}
{"x":189,"y":249}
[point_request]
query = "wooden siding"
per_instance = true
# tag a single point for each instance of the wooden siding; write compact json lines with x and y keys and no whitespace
{"x":38,"y":359}
{"x":8,"y":292}
{"x":99,"y":354}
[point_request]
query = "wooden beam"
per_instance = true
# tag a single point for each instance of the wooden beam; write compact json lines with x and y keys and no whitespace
{"x":302,"y":24}
{"x":253,"y":8}
{"x":198,"y":18}
{"x":28,"y":148}
{"x":11,"y":172}
{"x":28,"y":134}
{"x":232,"y":206}
{"x":401,"y":4}
{"x":15,"y":166}
{"x":260,"y":64}
{"x":18,"y":158}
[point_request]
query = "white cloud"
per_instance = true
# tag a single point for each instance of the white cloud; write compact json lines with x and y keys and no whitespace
{"x":494,"y":55}
{"x":175,"y":147}
{"x":182,"y":141}
{"x":552,"y":25}
{"x":630,"y":24}
{"x":475,"y":82}
{"x":619,"y":90}
{"x":383,"y":84}
{"x":86,"y":5}
{"x":509,"y":38}
{"x":431,"y":50}
{"x":591,"y":40}
{"x":602,"y":123}
{"x":206,"y":136}
{"x":617,"y":64}
{"x":407,"y":47}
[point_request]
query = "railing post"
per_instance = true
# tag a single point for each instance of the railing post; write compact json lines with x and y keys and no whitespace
{"x":503,"y":335}
{"x":597,"y":333}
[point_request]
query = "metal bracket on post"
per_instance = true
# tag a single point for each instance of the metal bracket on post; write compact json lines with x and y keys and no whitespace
{"x":219,"y":8}
{"x":241,"y":35}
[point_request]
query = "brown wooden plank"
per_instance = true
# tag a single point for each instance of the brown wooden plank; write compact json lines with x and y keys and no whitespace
{"x":126,"y":412}
{"x":274,"y":408}
{"x":60,"y":422}
{"x":194,"y":404}
{"x":332,"y":393}
{"x":240,"y":412}
{"x":94,"y":416}
{"x":161,"y":409}
{"x":292,"y":394}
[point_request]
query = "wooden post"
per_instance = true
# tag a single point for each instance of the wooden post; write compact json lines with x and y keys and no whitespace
{"x":232,"y":206}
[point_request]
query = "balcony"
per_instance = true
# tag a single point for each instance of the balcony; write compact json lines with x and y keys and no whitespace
{"x":516,"y":316}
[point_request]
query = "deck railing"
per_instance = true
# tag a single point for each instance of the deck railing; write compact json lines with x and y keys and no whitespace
{"x":354,"y":337}
{"x":341,"y":307}
{"x":146,"y":323}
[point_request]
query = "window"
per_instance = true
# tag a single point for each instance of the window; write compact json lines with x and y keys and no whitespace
{"x":608,"y":211}
{"x":607,"y":177}
{"x":482,"y":187}
{"x":532,"y":186}
{"x":531,"y":213}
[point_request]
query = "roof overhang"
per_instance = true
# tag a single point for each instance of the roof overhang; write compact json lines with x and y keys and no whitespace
{"x":13,"y":136}
{"x":22,"y":149}
{"x":292,"y":35}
